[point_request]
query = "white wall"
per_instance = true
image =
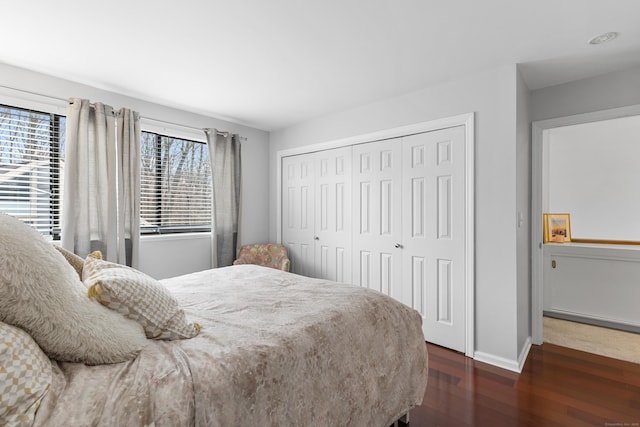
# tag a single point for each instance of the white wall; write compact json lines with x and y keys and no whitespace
{"x":594,"y":175}
{"x":599,"y":93}
{"x":492,"y":96}
{"x":159,"y":258}
{"x":175,"y":254}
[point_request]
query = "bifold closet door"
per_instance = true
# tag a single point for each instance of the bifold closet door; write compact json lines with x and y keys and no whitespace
{"x":387,"y":215}
{"x":434,"y":233}
{"x":333,"y":214}
{"x":298,"y":212}
{"x":316,"y":213}
{"x":377,"y":227}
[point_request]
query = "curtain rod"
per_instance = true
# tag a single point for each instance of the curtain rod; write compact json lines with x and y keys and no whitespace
{"x":66,"y":100}
{"x":219,"y":132}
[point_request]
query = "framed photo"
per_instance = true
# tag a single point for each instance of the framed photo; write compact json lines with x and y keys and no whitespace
{"x":557,"y":228}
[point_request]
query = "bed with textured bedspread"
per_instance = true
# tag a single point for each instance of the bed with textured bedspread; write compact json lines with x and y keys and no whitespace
{"x":275,"y":349}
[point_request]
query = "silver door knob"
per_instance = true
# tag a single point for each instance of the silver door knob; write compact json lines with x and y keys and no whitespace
{"x":398,"y":246}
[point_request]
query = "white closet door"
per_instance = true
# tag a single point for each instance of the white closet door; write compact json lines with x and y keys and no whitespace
{"x":298,"y":212}
{"x":434,"y":233}
{"x":333,"y":214}
{"x":377,"y":209}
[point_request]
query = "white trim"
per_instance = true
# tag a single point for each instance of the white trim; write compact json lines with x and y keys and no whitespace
{"x":32,"y":101}
{"x":466,"y":120}
{"x":504,"y":363}
{"x":470,"y":215}
{"x":173,"y":130}
{"x":500,"y":362}
{"x":175,"y":236}
{"x":536,"y":233}
{"x":597,"y":251}
{"x":537,"y":204}
{"x":600,"y":320}
{"x":522,"y":358}
{"x":437,"y":124}
{"x":279,"y":197}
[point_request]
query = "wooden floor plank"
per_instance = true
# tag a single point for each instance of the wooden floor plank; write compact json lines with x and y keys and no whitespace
{"x":557,"y":387}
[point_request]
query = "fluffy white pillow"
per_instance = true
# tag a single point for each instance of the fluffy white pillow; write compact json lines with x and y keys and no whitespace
{"x":137,"y":296}
{"x":42,"y":294}
{"x":25,"y":376}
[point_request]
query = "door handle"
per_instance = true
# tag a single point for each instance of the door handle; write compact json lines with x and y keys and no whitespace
{"x":316,"y":238}
{"x":397,"y":246}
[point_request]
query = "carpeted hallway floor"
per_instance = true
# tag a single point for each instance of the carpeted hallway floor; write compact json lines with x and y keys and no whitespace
{"x":594,"y":339}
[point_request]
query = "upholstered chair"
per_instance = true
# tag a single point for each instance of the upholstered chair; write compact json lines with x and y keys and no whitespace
{"x":268,"y":254}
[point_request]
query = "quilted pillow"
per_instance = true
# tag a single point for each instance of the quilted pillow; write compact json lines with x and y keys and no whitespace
{"x":138,"y":297}
{"x":41,"y":293}
{"x":77,"y":262}
{"x":25,"y":376}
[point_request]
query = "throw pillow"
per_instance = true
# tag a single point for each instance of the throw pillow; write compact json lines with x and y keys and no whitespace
{"x":138,"y":297}
{"x":25,"y":376}
{"x":42,"y":294}
{"x":77,"y":262}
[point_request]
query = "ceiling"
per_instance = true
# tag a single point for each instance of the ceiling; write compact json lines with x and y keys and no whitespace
{"x":271,"y":64}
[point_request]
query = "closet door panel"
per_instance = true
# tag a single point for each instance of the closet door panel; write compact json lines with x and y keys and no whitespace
{"x":434,"y":233}
{"x":377,"y":216}
{"x":333,"y":214}
{"x":298,"y":212}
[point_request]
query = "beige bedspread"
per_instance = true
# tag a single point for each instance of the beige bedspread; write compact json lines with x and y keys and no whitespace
{"x":276,"y":349}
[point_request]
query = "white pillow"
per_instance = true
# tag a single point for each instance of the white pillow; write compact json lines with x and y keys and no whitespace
{"x":41,"y":293}
{"x":25,"y":376}
{"x":137,"y":296}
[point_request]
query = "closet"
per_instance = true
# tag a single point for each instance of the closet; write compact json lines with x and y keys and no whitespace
{"x":388,"y":215}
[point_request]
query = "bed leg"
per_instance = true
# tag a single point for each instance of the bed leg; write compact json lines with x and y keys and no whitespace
{"x":402,"y":421}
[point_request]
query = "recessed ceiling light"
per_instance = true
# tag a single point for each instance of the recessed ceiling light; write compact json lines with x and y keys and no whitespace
{"x":603,"y":38}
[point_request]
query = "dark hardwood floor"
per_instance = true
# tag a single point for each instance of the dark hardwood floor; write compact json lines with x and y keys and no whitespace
{"x":557,"y":387}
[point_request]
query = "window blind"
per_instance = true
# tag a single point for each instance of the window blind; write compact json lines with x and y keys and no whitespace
{"x":175,"y":185}
{"x":31,"y":167}
{"x":175,"y":175}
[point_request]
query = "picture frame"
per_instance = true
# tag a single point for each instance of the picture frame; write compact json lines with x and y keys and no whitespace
{"x":557,"y":227}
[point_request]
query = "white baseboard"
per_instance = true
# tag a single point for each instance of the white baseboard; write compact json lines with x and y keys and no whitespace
{"x":522,"y":358}
{"x":501,"y":362}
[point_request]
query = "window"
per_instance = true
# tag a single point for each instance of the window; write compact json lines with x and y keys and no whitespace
{"x":175,"y":185}
{"x":175,"y":175}
{"x":31,"y":167}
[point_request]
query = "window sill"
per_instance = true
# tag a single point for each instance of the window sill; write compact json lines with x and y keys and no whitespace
{"x":176,"y":236}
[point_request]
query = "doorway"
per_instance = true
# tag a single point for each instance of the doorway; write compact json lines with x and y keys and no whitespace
{"x":539,"y":204}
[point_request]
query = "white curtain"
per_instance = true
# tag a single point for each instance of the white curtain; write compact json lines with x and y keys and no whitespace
{"x":102,"y":182}
{"x":224,"y":155}
{"x":128,"y":154}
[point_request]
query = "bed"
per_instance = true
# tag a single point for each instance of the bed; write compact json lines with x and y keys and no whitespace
{"x":273,"y":349}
